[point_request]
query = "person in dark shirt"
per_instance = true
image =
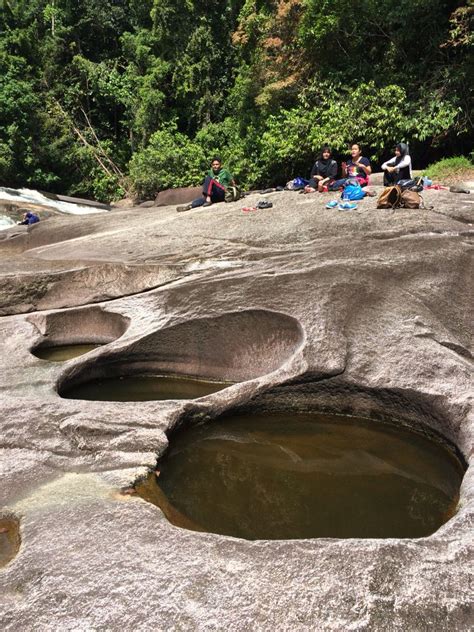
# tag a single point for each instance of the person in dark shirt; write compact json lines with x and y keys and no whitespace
{"x":213,"y":187}
{"x":28,"y":218}
{"x":357,"y":167}
{"x":323,"y":173}
{"x":397,"y":168}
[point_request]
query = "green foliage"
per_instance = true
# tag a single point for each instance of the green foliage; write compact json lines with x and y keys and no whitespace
{"x":7,"y":163}
{"x":449,"y":167}
{"x":19,"y":105}
{"x":373,"y":38}
{"x":363,"y":113}
{"x":433,"y":117}
{"x":94,"y":88}
{"x":170,"y":159}
{"x":240,"y":153}
{"x":285,"y":143}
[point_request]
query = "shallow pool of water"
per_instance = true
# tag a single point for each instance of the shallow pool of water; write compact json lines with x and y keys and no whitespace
{"x":9,"y":540}
{"x":305,"y":476}
{"x":140,"y":388}
{"x":63,"y":352}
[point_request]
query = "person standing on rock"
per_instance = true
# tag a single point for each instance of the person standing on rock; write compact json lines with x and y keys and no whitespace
{"x":397,"y":168}
{"x":323,"y":173}
{"x":357,"y":167}
{"x":214,"y":186}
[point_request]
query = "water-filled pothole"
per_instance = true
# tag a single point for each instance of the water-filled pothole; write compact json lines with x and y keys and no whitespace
{"x":285,"y":476}
{"x":71,"y":333}
{"x":186,"y":360}
{"x":61,"y":353}
{"x":9,"y":540}
{"x":141,"y":388}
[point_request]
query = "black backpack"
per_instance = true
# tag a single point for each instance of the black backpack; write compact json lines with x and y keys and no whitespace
{"x":413,"y":184}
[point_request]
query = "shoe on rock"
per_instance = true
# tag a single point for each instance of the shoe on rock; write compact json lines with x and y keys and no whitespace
{"x":184,"y":207}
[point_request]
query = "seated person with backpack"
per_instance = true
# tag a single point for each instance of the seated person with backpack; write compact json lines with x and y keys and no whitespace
{"x":357,"y":167}
{"x":397,"y":168}
{"x":213,"y":188}
{"x":323,"y":173}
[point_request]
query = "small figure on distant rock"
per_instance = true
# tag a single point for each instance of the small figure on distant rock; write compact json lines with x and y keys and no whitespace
{"x":214,"y":186}
{"x":357,"y":167}
{"x":28,"y":218}
{"x":397,"y":168}
{"x":323,"y":173}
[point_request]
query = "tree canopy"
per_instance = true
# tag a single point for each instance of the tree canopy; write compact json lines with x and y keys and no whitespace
{"x":99,"y":97}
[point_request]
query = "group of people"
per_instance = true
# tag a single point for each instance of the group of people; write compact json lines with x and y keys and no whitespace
{"x":323,"y":174}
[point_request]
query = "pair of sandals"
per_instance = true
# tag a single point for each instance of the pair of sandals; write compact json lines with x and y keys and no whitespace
{"x":342,"y":206}
{"x":261,"y":204}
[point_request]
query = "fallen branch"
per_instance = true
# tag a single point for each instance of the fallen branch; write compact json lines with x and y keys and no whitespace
{"x":113,"y":166}
{"x":97,"y":151}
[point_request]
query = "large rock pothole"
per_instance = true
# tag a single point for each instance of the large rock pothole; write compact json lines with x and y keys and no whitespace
{"x":234,"y":347}
{"x":292,"y":476}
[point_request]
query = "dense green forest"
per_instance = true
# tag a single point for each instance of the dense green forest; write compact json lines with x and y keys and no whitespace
{"x":107,"y":97}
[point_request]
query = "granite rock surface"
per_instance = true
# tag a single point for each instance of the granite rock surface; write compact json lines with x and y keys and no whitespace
{"x":363,"y":311}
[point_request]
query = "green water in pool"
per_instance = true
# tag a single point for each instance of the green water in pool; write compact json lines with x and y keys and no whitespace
{"x":63,"y":352}
{"x":9,"y":540}
{"x":140,"y":388}
{"x":284,"y":476}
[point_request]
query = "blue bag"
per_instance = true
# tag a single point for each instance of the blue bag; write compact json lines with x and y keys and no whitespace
{"x":296,"y":184}
{"x":299,"y":182}
{"x":352,"y":191}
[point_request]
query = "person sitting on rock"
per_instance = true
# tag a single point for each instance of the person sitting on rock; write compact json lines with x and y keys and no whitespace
{"x":397,"y":168}
{"x":357,"y":167}
{"x":214,"y":186}
{"x":323,"y":173}
{"x":28,"y":218}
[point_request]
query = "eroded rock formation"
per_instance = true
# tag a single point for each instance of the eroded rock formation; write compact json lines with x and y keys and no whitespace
{"x":365,"y":311}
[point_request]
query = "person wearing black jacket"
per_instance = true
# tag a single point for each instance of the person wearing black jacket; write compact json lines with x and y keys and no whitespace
{"x":323,"y":173}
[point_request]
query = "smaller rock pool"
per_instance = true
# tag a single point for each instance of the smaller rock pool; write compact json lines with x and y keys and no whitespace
{"x":61,"y":353}
{"x":9,"y":540}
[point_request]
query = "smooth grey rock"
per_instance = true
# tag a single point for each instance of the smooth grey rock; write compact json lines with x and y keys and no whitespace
{"x":75,"y":200}
{"x":181,"y":195}
{"x":367,"y":312}
{"x":461,"y":187}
